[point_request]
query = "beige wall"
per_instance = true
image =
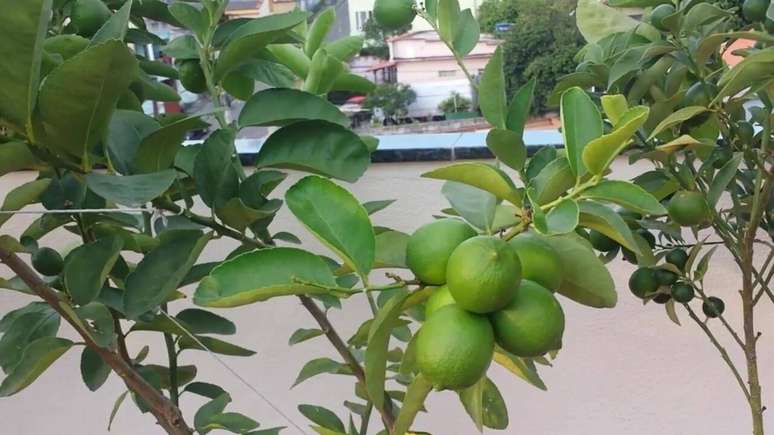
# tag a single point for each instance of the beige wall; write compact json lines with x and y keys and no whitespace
{"x":423,"y":71}
{"x":623,"y":371}
{"x":430,"y":46}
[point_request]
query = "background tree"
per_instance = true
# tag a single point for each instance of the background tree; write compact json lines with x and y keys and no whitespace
{"x":455,"y":103}
{"x":541,"y":45}
{"x":376,"y":37}
{"x":392,"y":99}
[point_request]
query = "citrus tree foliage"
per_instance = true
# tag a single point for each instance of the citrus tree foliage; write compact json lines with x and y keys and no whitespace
{"x":455,"y":103}
{"x":708,"y":137}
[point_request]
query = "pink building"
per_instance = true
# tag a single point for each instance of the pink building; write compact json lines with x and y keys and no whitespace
{"x":421,"y":57}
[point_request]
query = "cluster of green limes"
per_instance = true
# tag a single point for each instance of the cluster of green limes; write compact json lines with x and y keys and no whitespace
{"x":603,"y":243}
{"x":662,"y":285}
{"x":489,"y":292}
{"x":87,"y":16}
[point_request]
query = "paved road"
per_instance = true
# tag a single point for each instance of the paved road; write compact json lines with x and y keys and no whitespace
{"x":626,"y":371}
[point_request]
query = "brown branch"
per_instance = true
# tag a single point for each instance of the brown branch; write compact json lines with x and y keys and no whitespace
{"x":387,"y":414}
{"x":167,"y":415}
{"x":721,"y":349}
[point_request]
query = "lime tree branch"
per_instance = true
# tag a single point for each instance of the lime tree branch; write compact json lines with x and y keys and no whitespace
{"x":723,"y":353}
{"x":388,"y":418}
{"x":167,"y":414}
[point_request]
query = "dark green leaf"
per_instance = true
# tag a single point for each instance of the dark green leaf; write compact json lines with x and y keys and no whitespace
{"x":97,"y":320}
{"x":158,"y":275}
{"x":344,"y":49}
{"x":627,"y":195}
{"x":448,"y":15}
{"x":521,"y":367}
{"x":319,"y":366}
{"x":563,"y":218}
{"x":204,"y":389}
{"x":553,"y":181}
{"x":115,"y":27}
{"x":581,"y":123}
{"x":375,"y":206}
{"x":37,"y":357}
{"x":722,"y":179}
{"x":21,"y":196}
{"x":126,"y":130}
{"x":260,"y":275}
{"x":22,"y":31}
{"x":77,"y":99}
{"x":231,"y":421}
{"x":319,"y":29}
{"x":507,"y":146}
{"x":284,"y":106}
{"x":391,"y":250}
{"x":158,"y":149}
{"x":466,"y":33}
{"x":520,"y":108}
{"x":492,"y":90}
{"x":87,"y":267}
{"x":485,"y":405}
{"x":26,"y":325}
{"x":378,"y":341}
{"x":131,"y":190}
{"x":208,"y":410}
{"x":214,"y":345}
{"x":336,"y":218}
{"x":322,"y":417}
{"x":193,"y":19}
{"x":473,"y":204}
{"x":601,"y":218}
{"x":15,"y":156}
{"x":318,"y":147}
{"x":199,"y":321}
{"x":301,"y":335}
{"x":677,"y":117}
{"x":585,"y":278}
{"x":182,"y":47}
{"x":600,"y":152}
{"x":217,"y":180}
{"x":94,"y":370}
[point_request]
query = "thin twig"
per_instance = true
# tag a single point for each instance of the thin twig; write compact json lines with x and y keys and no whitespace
{"x":721,"y":349}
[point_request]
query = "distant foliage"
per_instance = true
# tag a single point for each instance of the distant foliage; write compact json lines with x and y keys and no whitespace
{"x":541,"y":44}
{"x":392,"y":98}
{"x":455,"y":103}
{"x":376,"y":39}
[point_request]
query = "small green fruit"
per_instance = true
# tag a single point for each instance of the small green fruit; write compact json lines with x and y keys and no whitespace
{"x":658,"y":15}
{"x":601,"y":242}
{"x":643,"y":282}
{"x":677,"y":257}
{"x":394,"y":14}
{"x":713,"y":307}
{"x":47,"y":261}
{"x":682,"y":292}
{"x":665,"y":277}
{"x":688,"y":208}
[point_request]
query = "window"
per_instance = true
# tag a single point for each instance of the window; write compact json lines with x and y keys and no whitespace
{"x":447,"y":73}
{"x":361,"y":17}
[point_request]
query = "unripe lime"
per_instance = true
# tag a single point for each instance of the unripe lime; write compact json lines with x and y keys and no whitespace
{"x":393,"y":14}
{"x":439,"y":299}
{"x":429,"y":248}
{"x":677,"y":257}
{"x":483,"y":274}
{"x":665,"y":277}
{"x":539,"y":260}
{"x":47,"y":261}
{"x":662,"y":298}
{"x":688,"y":208}
{"x":88,"y":16}
{"x":532,"y":324}
{"x":192,"y":76}
{"x":713,"y":307}
{"x":454,"y":348}
{"x":643,"y":282}
{"x":682,"y":292}
{"x":755,"y":10}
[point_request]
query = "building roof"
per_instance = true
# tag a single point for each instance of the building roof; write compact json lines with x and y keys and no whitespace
{"x":240,"y":5}
{"x":431,"y":35}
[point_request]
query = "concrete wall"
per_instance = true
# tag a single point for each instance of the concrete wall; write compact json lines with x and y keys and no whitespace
{"x":622,"y":371}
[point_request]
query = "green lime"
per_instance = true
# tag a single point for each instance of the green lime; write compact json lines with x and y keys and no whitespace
{"x":483,"y":274}
{"x":755,"y":10}
{"x":532,"y":324}
{"x":677,"y":257}
{"x":700,"y":94}
{"x":713,"y":307}
{"x":430,"y":246}
{"x":454,"y":348}
{"x":682,"y":292}
{"x":393,"y":14}
{"x":688,"y":208}
{"x":665,"y":277}
{"x":539,"y":260}
{"x":439,"y":299}
{"x":47,"y":261}
{"x":662,"y":298}
{"x":88,"y":16}
{"x":192,"y":76}
{"x":601,"y":242}
{"x":66,"y":46}
{"x":658,"y":15}
{"x":643,"y":282}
